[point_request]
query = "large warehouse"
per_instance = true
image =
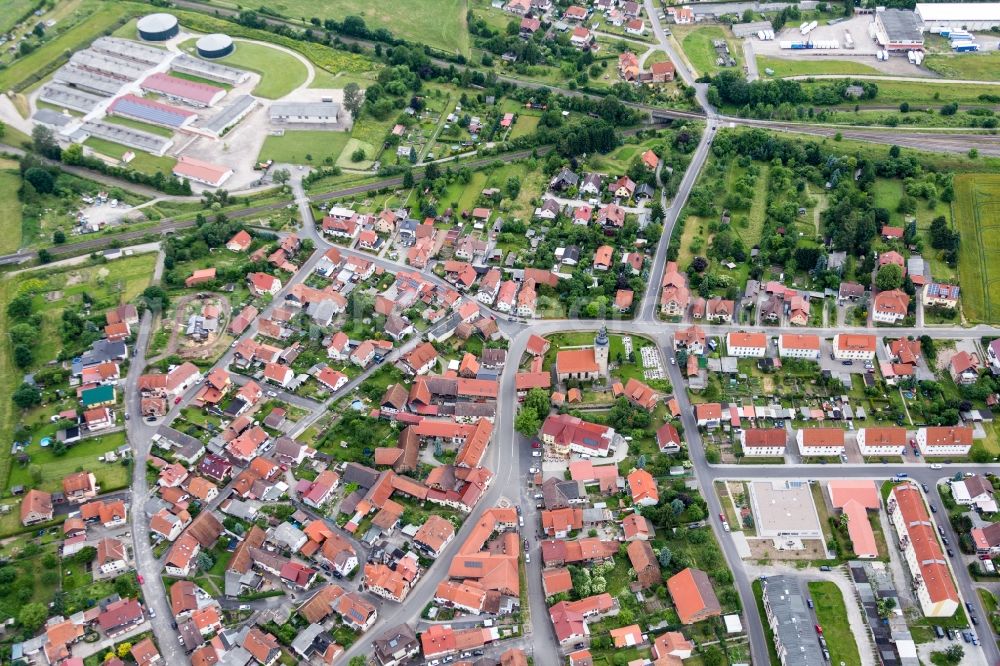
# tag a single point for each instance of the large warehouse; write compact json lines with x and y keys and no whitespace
{"x":958,"y":15}
{"x":158,"y":27}
{"x":899,"y":30}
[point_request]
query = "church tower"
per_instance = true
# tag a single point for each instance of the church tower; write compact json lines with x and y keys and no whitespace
{"x":602,"y":347}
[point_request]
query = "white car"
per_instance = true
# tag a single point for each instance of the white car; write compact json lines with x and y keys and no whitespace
{"x":536,"y":454}
{"x":936,"y":466}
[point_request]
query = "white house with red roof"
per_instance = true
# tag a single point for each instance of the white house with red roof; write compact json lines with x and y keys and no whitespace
{"x":262,"y":283}
{"x":278,"y":374}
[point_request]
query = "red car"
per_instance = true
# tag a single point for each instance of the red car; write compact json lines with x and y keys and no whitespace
{"x":819,"y":630}
{"x":722,"y":517}
{"x":139,"y":577}
{"x":536,"y":445}
{"x":177,"y":400}
{"x":984,"y":557}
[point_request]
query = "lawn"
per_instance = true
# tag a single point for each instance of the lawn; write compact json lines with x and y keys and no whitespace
{"x":978,"y":66}
{"x":10,"y":211}
{"x":807,"y":67}
{"x":141,"y":126}
{"x":436,"y":23}
{"x":280,"y":72}
{"x":831,"y":613}
{"x":143,"y":161}
{"x":82,"y":455}
{"x":345,"y":161}
{"x":13,"y":11}
{"x":698,"y":48}
{"x":930,"y":93}
{"x":977,"y":208}
{"x":304,"y":146}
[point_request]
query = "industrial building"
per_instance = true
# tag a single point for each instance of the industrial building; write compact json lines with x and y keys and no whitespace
{"x":202,"y":172}
{"x":214,"y":46}
{"x":899,"y":30}
{"x":146,"y":110}
{"x":69,"y":98}
{"x":126,"y":136}
{"x":126,"y":49}
{"x":52,"y":119}
{"x":158,"y":27}
{"x":230,"y":114}
{"x":788,"y":616}
{"x":182,"y":90}
{"x":315,"y":113}
{"x":208,"y":70}
{"x":74,"y":77}
{"x":947,"y":16}
{"x":109,"y":66}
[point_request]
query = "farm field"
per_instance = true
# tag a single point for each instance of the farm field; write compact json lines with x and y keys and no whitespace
{"x":10,"y":211}
{"x":784,"y":67}
{"x":831,"y":613}
{"x":14,"y":10}
{"x":437,"y":23}
{"x":697,"y":45}
{"x":977,"y":209}
{"x":143,"y":161}
{"x":978,"y":66}
{"x":35,"y":65}
{"x":304,"y":146}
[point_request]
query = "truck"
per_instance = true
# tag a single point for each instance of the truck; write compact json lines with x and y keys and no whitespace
{"x":263,"y":166}
{"x":966,"y":47}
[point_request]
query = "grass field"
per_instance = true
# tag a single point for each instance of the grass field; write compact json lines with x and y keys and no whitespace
{"x":977,"y":212}
{"x":139,"y":125}
{"x":977,"y":66}
{"x":806,"y":67}
{"x":832,"y":616}
{"x":47,"y":56}
{"x":280,"y":73}
{"x":304,"y":146}
{"x":12,"y":11}
{"x":10,"y":212}
{"x":436,"y":23}
{"x":930,"y":93}
{"x":345,"y":162}
{"x":697,"y":45}
{"x":110,"y":476}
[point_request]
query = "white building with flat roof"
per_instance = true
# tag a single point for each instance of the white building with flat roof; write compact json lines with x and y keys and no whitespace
{"x":970,"y":16}
{"x":784,"y":510}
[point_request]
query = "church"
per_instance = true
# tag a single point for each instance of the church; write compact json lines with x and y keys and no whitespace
{"x":585,"y":364}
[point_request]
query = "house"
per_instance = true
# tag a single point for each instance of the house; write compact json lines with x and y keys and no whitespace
{"x":282,"y":375}
{"x":668,"y":439}
{"x":182,"y":556}
{"x":645,"y":564}
{"x":628,"y":69}
{"x":395,"y":646}
{"x":602,"y":258}
{"x":889,"y":307}
{"x":332,"y":379}
{"x":119,"y":616}
{"x":671,"y":648}
{"x":623,"y":188}
{"x":99,"y":418}
{"x":80,"y":487}
{"x":36,"y":507}
{"x":855,"y":498}
{"x":964,"y":368}
{"x":262,"y":283}
{"x":975,"y":490}
{"x":489,"y":287}
{"x":693,"y":596}
{"x":763,"y":442}
{"x":719,"y":310}
{"x":708,"y":415}
{"x":853,"y":347}
{"x":850,"y":291}
{"x":200,"y":276}
{"x":434,"y":535}
{"x":635,"y":27}
{"x":944,"y":440}
{"x":892,"y":233}
{"x":804,"y":346}
{"x":892,"y":257}
{"x":421,"y":360}
{"x":674,"y":295}
{"x":624,"y":299}
{"x":559,"y":523}
{"x":549,"y":210}
{"x":746,"y":345}
{"x":820,"y":441}
{"x":638,"y":393}
{"x":581,"y":38}
{"x":356,"y":612}
{"x":941,"y":295}
{"x":111,"y":556}
{"x":662,"y":72}
{"x":642,"y":487}
{"x":240,"y":242}
{"x":691,"y":339}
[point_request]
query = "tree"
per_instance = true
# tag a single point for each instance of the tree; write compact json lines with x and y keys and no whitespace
{"x":44,"y":142}
{"x":40,"y":179}
{"x":537,"y":400}
{"x":352,"y":99}
{"x":23,"y":356}
{"x":58,"y":237}
{"x":20,"y":307}
{"x":156,"y":298}
{"x":32,"y":616}
{"x":124,"y":649}
{"x":527,"y":422}
{"x":889,"y":276}
{"x":360,"y":660}
{"x":358,"y":155}
{"x":665,"y":557}
{"x":281,"y":176}
{"x":44,"y":256}
{"x":26,"y":396}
